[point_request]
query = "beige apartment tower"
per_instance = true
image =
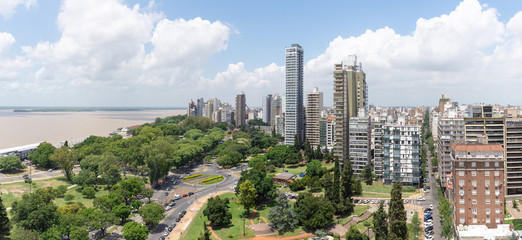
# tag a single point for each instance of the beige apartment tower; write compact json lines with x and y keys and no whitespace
{"x":350,"y":95}
{"x":314,"y":107}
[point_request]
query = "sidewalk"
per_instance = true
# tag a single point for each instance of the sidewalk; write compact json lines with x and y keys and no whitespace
{"x":191,"y":213}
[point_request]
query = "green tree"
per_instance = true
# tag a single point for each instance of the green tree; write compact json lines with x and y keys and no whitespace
{"x":263,"y":183}
{"x":129,"y":188}
{"x":205,"y":235}
{"x":367,"y":174}
{"x":41,"y":156}
{"x":85,"y":178}
{"x":297,"y":144}
{"x":380,"y":223}
{"x":109,"y":169}
{"x":88,"y":192}
{"x":122,"y":212}
{"x":318,"y":153}
{"x":415,"y":225}
{"x":336,"y":187}
{"x":135,"y":231}
{"x":294,"y":158}
{"x":313,"y":212}
{"x":217,"y":211}
{"x":108,"y":202}
{"x":148,"y":193}
{"x":98,"y":219}
{"x":35,"y":211}
{"x":515,"y":204}
{"x":10,"y":163}
{"x":282,"y":216}
{"x":60,"y":191}
{"x":315,"y":168}
{"x":354,"y":234}
{"x":69,"y":198}
{"x":397,"y":214}
{"x":65,"y":158}
{"x":347,"y":190}
{"x":247,"y":195}
{"x":157,"y":156}
{"x":152,"y":213}
{"x":5,"y":225}
{"x":357,"y":186}
{"x":136,"y":204}
{"x":327,"y":184}
{"x":91,"y":163}
{"x":20,"y":233}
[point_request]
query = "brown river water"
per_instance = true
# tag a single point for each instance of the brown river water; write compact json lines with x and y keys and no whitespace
{"x":22,"y":128}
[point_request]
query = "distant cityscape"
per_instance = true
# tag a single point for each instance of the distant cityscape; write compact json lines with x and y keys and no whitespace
{"x":475,"y":145}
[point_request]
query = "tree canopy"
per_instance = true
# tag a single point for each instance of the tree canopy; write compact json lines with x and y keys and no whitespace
{"x":217,"y":211}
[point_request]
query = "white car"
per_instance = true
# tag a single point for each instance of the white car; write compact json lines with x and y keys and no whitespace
{"x":421,"y":199}
{"x":431,"y":206}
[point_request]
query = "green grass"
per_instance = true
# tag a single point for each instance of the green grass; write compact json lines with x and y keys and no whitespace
{"x":17,"y":189}
{"x":295,"y":169}
{"x":357,"y":211}
{"x":379,"y":190}
{"x":235,"y":229}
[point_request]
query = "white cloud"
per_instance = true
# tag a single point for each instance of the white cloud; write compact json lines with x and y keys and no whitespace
{"x":460,"y":54}
{"x":8,"y":7}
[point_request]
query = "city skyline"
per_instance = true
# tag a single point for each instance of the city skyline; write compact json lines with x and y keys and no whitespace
{"x":162,"y":53}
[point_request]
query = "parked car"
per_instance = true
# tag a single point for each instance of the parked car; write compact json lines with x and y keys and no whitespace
{"x":168,"y":208}
{"x":405,"y":201}
{"x":166,"y":193}
{"x":177,"y":197}
{"x":183,"y":212}
{"x":431,"y":206}
{"x":25,"y":176}
{"x":190,"y":193}
{"x":178,"y":219}
{"x":427,"y":210}
{"x":429,"y":228}
{"x":184,"y":195}
{"x":421,"y":199}
{"x":427,"y":191}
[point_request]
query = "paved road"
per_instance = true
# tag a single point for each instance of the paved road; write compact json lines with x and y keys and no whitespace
{"x":431,"y":198}
{"x":200,"y":191}
{"x":35,"y":176}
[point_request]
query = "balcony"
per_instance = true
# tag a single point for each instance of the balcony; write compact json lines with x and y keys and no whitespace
{"x":416,"y":144}
{"x":415,"y":135}
{"x":396,"y":157}
{"x":386,"y":174}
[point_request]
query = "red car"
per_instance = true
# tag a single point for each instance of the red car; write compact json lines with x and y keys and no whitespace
{"x":184,"y":195}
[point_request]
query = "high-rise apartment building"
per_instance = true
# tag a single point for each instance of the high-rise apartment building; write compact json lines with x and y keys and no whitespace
{"x":492,"y":127}
{"x":209,"y":107}
{"x":330,"y":129}
{"x":378,"y":152}
{"x":200,"y":107}
{"x":478,"y":176}
{"x":359,"y":144}
{"x":449,"y":130}
{"x":401,"y":159}
{"x":276,"y":109}
{"x":350,"y":95}
{"x":322,"y":132}
{"x":267,"y":101}
{"x":294,"y":112}
{"x":314,"y":108}
{"x":240,"y":110}
{"x":513,"y":156}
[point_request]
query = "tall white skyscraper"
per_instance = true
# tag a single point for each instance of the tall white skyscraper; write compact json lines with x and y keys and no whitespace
{"x":294,"y":112}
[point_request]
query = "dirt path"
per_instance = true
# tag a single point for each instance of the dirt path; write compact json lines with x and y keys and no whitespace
{"x":300,"y":236}
{"x":213,"y":233}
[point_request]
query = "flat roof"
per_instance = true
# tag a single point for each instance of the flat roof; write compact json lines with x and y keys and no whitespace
{"x":20,"y":148}
{"x":466,"y":147}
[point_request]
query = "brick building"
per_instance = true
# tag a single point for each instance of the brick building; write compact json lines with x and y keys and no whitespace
{"x":478,"y":183}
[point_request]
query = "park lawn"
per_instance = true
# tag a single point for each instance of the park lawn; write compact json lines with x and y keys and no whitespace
{"x":363,"y":228}
{"x":296,"y":169}
{"x":78,"y":197}
{"x":379,"y":190}
{"x":15,"y":190}
{"x":234,"y":229}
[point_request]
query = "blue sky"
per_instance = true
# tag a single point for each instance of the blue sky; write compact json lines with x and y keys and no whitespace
{"x":164,"y":53}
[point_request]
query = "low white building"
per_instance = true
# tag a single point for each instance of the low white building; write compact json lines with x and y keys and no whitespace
{"x":482,"y":232}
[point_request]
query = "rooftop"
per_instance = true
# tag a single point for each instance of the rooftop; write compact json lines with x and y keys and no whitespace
{"x":474,"y":147}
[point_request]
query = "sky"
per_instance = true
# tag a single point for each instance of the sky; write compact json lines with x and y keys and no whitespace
{"x":164,"y":53}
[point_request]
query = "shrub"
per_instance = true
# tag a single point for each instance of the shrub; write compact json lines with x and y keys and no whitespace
{"x":297,"y":185}
{"x":212,"y":179}
{"x":192,"y":176}
{"x":61,"y":190}
{"x":88,"y":192}
{"x":366,"y":223}
{"x":28,"y":180}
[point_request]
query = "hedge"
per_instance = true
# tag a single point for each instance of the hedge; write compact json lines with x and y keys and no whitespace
{"x":192,"y":176}
{"x":211,"y":179}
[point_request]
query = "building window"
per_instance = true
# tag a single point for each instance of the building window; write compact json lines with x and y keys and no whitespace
{"x":497,"y":193}
{"x":461,"y":183}
{"x":474,"y":201}
{"x":474,"y":183}
{"x":487,"y":201}
{"x":497,"y":220}
{"x":475,"y":211}
{"x":474,"y":192}
{"x":486,"y":183}
{"x":497,"y":183}
{"x":497,"y":173}
{"x":497,"y":210}
{"x":496,"y":163}
{"x":473,"y":173}
{"x":486,"y":173}
{"x":497,"y":201}
{"x":462,"y":220}
{"x":473,"y":164}
{"x":487,"y":211}
{"x":461,"y":173}
{"x":461,"y":201}
{"x":488,"y":220}
{"x":487,"y":192}
{"x":461,"y":210}
{"x":461,"y":164}
{"x":474,"y":220}
{"x":486,"y":164}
